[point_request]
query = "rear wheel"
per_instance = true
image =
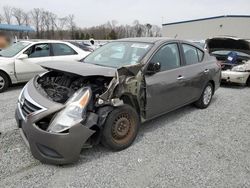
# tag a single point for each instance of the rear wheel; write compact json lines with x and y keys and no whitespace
{"x":121,"y":128}
{"x":4,"y":82}
{"x":206,"y":97}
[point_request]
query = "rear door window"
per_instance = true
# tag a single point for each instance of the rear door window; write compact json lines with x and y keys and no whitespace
{"x":62,"y":50}
{"x":192,"y":54}
{"x":200,"y":55}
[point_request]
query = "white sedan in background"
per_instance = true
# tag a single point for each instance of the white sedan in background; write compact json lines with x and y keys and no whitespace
{"x":19,"y":62}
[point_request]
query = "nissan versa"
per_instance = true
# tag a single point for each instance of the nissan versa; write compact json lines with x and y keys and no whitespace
{"x":110,"y":93}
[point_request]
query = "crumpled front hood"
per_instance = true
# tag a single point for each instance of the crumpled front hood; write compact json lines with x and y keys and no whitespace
{"x":227,"y":43}
{"x":79,"y":68}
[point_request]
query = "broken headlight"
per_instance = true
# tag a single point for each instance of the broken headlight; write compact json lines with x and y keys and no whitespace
{"x":73,"y":113}
{"x":239,"y":68}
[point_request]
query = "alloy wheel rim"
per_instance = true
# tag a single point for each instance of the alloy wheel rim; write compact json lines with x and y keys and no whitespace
{"x":207,"y":95}
{"x":2,"y":82}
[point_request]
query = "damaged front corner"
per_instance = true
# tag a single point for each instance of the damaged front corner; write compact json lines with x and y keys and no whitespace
{"x":129,"y":82}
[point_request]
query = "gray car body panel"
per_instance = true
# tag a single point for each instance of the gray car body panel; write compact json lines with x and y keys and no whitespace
{"x":79,"y":68}
{"x":151,"y":95}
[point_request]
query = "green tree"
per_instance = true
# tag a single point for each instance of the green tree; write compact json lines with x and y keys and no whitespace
{"x":87,"y":36}
{"x":77,"y":35}
{"x":82,"y":36}
{"x":113,"y":35}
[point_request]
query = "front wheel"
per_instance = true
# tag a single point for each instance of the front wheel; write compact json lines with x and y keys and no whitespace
{"x":206,"y":97}
{"x":4,"y":82}
{"x":121,"y":128}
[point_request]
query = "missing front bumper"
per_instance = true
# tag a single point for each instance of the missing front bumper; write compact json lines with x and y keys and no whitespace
{"x":54,"y":148}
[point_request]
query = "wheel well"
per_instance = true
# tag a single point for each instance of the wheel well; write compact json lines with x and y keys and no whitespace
{"x":132,"y":101}
{"x":248,"y":79}
{"x":10,"y":82}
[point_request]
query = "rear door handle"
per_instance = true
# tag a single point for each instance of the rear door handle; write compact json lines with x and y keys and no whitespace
{"x":206,"y":71}
{"x":180,"y":78}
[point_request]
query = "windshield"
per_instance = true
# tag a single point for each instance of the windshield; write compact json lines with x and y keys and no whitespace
{"x":226,"y":52}
{"x":118,"y":54}
{"x":14,"y":49}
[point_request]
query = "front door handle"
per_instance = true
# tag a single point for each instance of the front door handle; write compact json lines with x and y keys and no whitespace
{"x":180,"y":77}
{"x":206,"y":71}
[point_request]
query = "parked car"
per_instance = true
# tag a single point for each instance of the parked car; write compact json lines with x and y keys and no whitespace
{"x":19,"y":62}
{"x":108,"y":96}
{"x":234,"y":55}
{"x":82,"y":45}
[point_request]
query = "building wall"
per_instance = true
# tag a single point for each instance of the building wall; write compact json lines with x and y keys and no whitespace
{"x":198,"y":30}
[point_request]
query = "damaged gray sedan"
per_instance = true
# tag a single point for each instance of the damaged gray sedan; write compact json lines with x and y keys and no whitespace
{"x":106,"y":97}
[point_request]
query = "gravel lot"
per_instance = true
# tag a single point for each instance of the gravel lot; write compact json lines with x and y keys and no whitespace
{"x":186,"y":148}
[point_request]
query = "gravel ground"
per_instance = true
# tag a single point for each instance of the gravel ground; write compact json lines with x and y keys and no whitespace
{"x":185,"y":148}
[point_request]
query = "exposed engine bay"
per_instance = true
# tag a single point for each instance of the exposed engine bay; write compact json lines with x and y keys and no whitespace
{"x":230,"y":52}
{"x":227,"y":65}
{"x":60,"y":86}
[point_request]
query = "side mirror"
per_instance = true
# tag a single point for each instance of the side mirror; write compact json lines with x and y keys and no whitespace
{"x":153,"y":68}
{"x":23,"y":56}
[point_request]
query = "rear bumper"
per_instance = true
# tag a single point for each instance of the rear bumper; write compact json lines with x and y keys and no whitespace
{"x":53,"y":148}
{"x":235,"y":77}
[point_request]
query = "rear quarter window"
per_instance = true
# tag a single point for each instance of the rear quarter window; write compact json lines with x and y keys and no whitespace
{"x":192,"y":54}
{"x":200,"y":55}
{"x":60,"y":49}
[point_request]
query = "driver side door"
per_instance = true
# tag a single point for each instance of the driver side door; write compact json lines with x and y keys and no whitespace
{"x":164,"y":89}
{"x":27,"y":68}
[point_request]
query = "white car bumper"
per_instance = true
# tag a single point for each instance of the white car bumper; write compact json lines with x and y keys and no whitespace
{"x":235,"y":77}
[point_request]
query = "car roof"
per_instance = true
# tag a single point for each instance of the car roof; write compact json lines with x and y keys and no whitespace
{"x":147,"y":39}
{"x":159,"y":40}
{"x":43,"y":41}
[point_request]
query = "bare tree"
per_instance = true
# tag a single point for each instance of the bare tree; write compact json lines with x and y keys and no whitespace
{"x":26,"y":18}
{"x":53,"y":20}
{"x":114,"y":23}
{"x":46,"y":22}
{"x":7,"y":11}
{"x":43,"y":24}
{"x":18,"y":15}
{"x":148,"y":26}
{"x":36,"y":15}
{"x":1,"y":18}
{"x":156,"y":31}
{"x":138,"y":29}
{"x":61,"y":24}
{"x":72,"y":24}
{"x":48,"y":25}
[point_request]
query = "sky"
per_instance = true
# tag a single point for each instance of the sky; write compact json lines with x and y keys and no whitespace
{"x":94,"y":12}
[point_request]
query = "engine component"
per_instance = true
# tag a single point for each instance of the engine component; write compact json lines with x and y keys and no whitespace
{"x":61,"y":86}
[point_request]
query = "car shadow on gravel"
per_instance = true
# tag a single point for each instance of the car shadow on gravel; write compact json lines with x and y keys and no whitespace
{"x":232,"y":86}
{"x":99,"y":151}
{"x":16,"y":86}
